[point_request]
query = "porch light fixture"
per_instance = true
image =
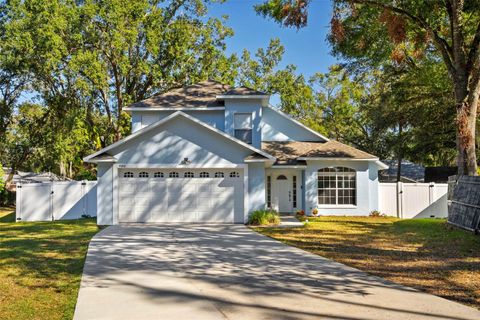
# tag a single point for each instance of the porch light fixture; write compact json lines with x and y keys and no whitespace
{"x":185,"y":161}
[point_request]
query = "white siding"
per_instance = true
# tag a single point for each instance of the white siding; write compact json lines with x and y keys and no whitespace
{"x":214,"y":118}
{"x":276,"y":127}
{"x":105,"y":194}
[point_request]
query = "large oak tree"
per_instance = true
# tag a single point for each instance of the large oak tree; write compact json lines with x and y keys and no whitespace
{"x":370,"y":30}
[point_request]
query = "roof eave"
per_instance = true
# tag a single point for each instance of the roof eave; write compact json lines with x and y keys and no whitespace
{"x":130,"y":109}
{"x":244,"y":96}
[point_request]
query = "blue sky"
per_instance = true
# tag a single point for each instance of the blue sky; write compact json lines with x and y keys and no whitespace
{"x":306,"y":48}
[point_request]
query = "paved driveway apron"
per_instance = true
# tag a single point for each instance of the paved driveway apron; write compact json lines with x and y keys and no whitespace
{"x":230,"y":272}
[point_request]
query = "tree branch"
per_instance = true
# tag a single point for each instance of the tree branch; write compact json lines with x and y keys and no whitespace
{"x":442,"y":44}
{"x":474,"y":52}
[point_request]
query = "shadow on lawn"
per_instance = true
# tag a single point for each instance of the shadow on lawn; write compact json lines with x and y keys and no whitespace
{"x":46,"y":250}
{"x":424,"y":253}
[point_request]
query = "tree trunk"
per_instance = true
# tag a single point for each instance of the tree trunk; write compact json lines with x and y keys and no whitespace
{"x":466,"y":103}
{"x":399,"y":153}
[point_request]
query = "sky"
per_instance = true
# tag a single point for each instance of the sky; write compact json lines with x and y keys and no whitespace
{"x":306,"y":48}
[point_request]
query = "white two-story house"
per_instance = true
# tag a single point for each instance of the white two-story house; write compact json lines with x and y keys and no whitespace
{"x":212,"y":153}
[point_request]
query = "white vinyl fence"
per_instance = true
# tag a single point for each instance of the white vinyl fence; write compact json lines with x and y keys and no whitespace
{"x":413,"y":200}
{"x":56,"y":200}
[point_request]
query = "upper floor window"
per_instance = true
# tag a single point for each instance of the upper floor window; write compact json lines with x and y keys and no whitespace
{"x":337,"y":186}
{"x":243,"y":127}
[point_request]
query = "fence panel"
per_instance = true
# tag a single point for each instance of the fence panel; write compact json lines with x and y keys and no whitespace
{"x":413,"y":200}
{"x":67,"y":200}
{"x":56,"y":200}
{"x":387,"y":198}
{"x":34,"y":202}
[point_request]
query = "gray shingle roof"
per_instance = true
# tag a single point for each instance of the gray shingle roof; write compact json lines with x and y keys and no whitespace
{"x":199,"y":95}
{"x":287,"y":152}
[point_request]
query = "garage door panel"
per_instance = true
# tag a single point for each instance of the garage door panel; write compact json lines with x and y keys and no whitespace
{"x":127,"y":214}
{"x":181,"y":199}
{"x":142,"y":213}
{"x":142,"y":187}
{"x":127,"y":187}
{"x":158,"y":187}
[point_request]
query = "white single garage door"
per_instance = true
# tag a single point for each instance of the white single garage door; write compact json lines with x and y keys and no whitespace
{"x":200,"y":195}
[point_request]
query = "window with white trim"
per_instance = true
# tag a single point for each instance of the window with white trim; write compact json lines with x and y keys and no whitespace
{"x":337,"y":186}
{"x":234,"y":174}
{"x":173,"y":174}
{"x":143,"y":174}
{"x":188,"y":174}
{"x":204,"y":174}
{"x":219,"y":174}
{"x":158,"y":175}
{"x":242,"y":123}
{"x":128,"y":174}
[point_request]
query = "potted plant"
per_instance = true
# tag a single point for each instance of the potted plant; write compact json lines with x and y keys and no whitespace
{"x":315,"y":212}
{"x":300,"y":213}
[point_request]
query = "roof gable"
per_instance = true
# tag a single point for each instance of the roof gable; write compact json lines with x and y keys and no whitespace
{"x":278,"y":126}
{"x":180,"y":115}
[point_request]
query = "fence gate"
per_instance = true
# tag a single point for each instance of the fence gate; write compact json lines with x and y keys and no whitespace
{"x":413,"y":200}
{"x":56,"y":200}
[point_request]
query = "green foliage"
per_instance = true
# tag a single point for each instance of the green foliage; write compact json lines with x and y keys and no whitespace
{"x":85,"y":62}
{"x":264,"y":217}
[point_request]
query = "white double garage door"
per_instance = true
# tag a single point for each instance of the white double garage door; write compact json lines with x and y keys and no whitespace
{"x":187,"y":195}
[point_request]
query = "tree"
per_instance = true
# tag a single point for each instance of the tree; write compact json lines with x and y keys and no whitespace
{"x":103,"y":55}
{"x":367,"y":30}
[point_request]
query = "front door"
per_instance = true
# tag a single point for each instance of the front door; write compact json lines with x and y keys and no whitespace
{"x":284,"y":193}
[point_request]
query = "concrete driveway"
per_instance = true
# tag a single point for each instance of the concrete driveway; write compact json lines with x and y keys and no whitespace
{"x":230,"y":272}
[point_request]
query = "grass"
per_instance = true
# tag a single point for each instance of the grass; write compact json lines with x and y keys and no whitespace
{"x":423,"y":253}
{"x":40,"y":266}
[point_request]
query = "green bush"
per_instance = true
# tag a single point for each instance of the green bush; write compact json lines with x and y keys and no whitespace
{"x":263,"y":217}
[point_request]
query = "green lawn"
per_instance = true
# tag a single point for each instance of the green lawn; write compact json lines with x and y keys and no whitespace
{"x":423,"y":253}
{"x":40,"y":266}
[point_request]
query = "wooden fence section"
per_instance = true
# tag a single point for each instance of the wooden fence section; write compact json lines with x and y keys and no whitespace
{"x":413,"y":200}
{"x":464,"y":207}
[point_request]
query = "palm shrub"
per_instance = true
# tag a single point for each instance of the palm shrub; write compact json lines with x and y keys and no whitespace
{"x":262,"y":217}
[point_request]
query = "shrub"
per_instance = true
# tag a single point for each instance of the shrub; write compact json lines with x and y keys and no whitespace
{"x":263,"y":217}
{"x":376,"y":214}
{"x":300,"y":213}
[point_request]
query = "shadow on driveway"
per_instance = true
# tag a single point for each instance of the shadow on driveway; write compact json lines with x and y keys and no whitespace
{"x":230,"y":272}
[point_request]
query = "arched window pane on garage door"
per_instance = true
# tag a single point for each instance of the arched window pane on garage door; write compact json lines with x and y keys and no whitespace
{"x":337,"y":186}
{"x":143,"y":174}
{"x":188,"y":174}
{"x":158,"y":175}
{"x":173,"y":174}
{"x":128,"y":174}
{"x":204,"y":175}
{"x":234,"y":174}
{"x":219,"y":175}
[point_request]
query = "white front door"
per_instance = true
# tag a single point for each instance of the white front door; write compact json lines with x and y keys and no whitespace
{"x":284,"y":194}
